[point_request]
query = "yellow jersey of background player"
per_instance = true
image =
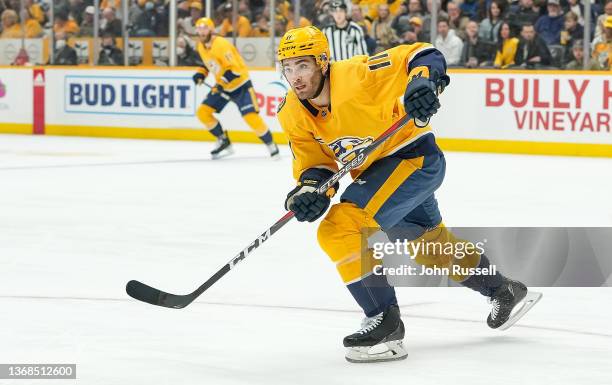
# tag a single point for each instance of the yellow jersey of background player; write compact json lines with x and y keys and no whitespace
{"x":222,"y":59}
{"x":334,"y":110}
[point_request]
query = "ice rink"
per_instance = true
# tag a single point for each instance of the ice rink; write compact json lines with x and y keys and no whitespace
{"x":81,"y":217}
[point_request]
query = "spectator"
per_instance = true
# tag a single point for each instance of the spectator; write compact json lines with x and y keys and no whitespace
{"x":524,"y":13}
{"x":506,"y":47}
{"x":456,"y":20}
{"x":324,"y":18}
{"x":427,"y":18}
{"x":36,"y":11}
{"x":186,"y":55}
{"x":578,"y":62}
{"x":162,"y":9}
{"x":489,"y":27}
{"x":146,"y":23}
{"x":11,"y":29}
{"x":188,"y":24}
{"x":601,"y":20}
{"x":381,"y":29}
{"x":242,"y":27}
{"x":577,"y":7}
{"x":110,"y":55}
{"x":357,"y":17}
{"x":408,"y":10}
{"x":415,"y":8}
{"x":63,"y":24}
{"x":32,"y":27}
{"x":400,"y":22}
{"x":602,"y":47}
{"x":87,"y":25}
{"x":532,"y":50}
{"x":76,"y":9}
{"x":366,"y":26}
{"x":304,"y":22}
{"x":448,"y":43}
{"x":475,"y":53}
{"x":415,"y":31}
{"x":136,"y":10}
{"x":64,"y":54}
{"x":110,"y":24}
{"x":345,"y":37}
{"x":571,"y":32}
{"x":114,"y":4}
{"x":469,"y":8}
{"x":550,"y":25}
{"x":262,"y":26}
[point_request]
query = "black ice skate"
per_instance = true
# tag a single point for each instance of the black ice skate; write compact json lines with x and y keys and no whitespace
{"x":274,"y":151}
{"x":380,"y":339}
{"x":223,"y":147}
{"x":505,"y":299}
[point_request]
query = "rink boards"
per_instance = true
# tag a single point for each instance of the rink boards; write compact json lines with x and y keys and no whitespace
{"x":565,"y":113}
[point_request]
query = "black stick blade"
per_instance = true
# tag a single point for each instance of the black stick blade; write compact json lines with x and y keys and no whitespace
{"x":148,"y":294}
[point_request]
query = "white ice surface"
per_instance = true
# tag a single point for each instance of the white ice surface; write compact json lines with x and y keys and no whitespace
{"x":80,"y":217}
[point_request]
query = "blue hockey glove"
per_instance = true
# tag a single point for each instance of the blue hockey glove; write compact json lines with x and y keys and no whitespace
{"x":304,"y":200}
{"x":421,"y":99}
{"x":198,"y":78}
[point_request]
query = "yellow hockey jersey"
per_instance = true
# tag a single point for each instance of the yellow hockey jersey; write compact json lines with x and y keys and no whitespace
{"x":365,"y":101}
{"x":225,"y":62}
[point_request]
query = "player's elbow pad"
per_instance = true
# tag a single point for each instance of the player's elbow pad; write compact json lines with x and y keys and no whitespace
{"x":431,"y":64}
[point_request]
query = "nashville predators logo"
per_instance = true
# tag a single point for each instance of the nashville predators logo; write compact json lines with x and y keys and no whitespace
{"x":347,"y":148}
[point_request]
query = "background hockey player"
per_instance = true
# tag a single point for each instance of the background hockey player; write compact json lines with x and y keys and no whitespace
{"x":233,"y":84}
{"x":333,"y":110}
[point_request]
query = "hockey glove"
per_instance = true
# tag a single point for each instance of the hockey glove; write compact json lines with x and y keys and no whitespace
{"x":421,"y":99}
{"x":304,"y":200}
{"x":198,"y":78}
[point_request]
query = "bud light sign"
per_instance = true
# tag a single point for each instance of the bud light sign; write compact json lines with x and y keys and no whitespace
{"x":130,"y":95}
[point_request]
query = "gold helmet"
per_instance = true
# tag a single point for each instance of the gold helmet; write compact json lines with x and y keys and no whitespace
{"x":205,"y":22}
{"x":305,"y":41}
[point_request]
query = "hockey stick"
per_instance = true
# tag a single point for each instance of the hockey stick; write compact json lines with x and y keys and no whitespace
{"x":146,"y":293}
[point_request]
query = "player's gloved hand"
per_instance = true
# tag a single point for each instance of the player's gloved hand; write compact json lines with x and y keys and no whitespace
{"x":304,"y":201}
{"x":421,"y":99}
{"x":198,"y":78}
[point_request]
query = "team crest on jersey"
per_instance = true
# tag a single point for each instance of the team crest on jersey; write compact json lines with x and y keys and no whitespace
{"x":346,"y":148}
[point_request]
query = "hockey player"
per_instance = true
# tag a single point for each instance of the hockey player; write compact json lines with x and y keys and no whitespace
{"x":233,"y":84}
{"x":332,"y":111}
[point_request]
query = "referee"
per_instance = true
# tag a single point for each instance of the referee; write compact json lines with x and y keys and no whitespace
{"x":345,"y":37}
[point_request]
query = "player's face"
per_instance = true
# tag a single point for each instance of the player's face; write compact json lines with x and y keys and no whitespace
{"x":303,"y":75}
{"x":204,"y":33}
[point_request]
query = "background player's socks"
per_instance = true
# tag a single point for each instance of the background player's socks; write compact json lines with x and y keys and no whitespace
{"x":223,"y":147}
{"x":217,"y":130}
{"x":269,"y":142}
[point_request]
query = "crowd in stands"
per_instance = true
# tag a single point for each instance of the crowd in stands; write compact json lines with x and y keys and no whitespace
{"x":470,"y":33}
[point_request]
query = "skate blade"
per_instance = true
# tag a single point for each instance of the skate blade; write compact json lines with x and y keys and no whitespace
{"x":227,"y":152}
{"x":388,"y":351}
{"x":275,"y":157}
{"x":528,"y":302}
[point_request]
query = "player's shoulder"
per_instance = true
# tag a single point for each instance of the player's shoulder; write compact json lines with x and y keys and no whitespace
{"x":288,"y":107}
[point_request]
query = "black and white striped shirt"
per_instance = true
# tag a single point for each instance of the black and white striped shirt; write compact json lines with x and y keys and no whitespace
{"x":344,"y":43}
